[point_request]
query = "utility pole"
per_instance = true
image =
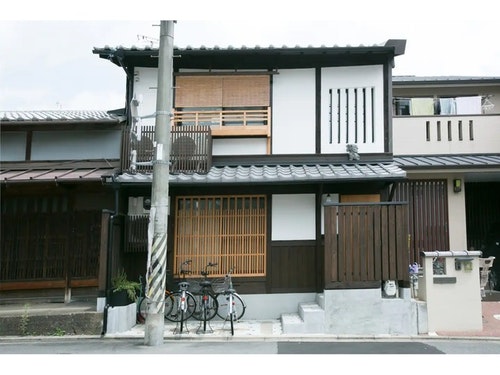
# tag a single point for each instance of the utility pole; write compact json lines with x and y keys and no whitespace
{"x":158,"y":218}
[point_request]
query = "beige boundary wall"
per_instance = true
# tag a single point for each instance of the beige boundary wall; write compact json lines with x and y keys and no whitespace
{"x":450,"y":286}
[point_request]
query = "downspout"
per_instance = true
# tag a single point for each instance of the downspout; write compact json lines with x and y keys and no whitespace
{"x":109,"y":268}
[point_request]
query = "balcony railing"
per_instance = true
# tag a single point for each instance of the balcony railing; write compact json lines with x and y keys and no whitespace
{"x":190,"y":149}
{"x":249,"y":122}
{"x":435,"y":135}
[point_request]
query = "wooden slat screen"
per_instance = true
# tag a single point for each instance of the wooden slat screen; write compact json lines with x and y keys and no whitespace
{"x":50,"y":246}
{"x":198,"y":91}
{"x":222,"y":91}
{"x":228,"y":230}
{"x":191,"y":149}
{"x":136,"y":227}
{"x":428,"y":215}
{"x":246,"y":91}
{"x":365,"y":243}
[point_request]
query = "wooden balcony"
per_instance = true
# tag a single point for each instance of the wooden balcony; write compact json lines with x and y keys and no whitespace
{"x":438,"y":135}
{"x":249,"y":122}
{"x":190,"y":149}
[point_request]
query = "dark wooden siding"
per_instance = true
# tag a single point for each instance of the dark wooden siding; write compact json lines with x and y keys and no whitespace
{"x":482,"y":201}
{"x":428,"y":215}
{"x":43,"y":250}
{"x":365,"y":244}
{"x":292,"y":266}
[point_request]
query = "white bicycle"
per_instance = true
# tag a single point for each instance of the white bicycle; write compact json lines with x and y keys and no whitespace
{"x":231,"y":305}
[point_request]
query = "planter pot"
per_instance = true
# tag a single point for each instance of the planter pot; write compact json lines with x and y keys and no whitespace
{"x":120,"y":298}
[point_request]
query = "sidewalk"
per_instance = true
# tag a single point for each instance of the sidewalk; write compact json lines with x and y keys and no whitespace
{"x":245,"y":329}
{"x":271,"y":330}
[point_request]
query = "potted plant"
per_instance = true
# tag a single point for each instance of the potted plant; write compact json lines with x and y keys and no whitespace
{"x":124,"y":291}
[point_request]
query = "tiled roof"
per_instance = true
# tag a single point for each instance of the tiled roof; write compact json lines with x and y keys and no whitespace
{"x":278,"y":174}
{"x":71,"y":171}
{"x":401,"y":80}
{"x":447,"y":161}
{"x":231,"y":48}
{"x":58,"y":115}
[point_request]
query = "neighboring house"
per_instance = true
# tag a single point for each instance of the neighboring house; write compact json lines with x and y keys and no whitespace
{"x":53,"y":202}
{"x":446,"y":136}
{"x":282,"y":167}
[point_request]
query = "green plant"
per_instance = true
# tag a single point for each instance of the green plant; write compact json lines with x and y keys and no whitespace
{"x":25,"y":319}
{"x":120,"y":282}
{"x":59,"y":332}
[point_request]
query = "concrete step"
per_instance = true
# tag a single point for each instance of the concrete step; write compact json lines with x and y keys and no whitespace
{"x":292,"y":323}
{"x":310,"y":318}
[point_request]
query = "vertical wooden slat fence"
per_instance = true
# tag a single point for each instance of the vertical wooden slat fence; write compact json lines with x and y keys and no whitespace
{"x":428,"y":215}
{"x":190,"y":149}
{"x":42,"y":247}
{"x":365,"y":244}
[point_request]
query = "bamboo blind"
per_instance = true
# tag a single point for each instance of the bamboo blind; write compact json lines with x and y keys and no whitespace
{"x":222,"y":91}
{"x":227,"y":230}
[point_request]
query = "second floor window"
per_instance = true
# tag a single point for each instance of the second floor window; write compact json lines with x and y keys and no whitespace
{"x":223,"y":101}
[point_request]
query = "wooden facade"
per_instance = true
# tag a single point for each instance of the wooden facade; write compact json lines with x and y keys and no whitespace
{"x":365,"y":244}
{"x":50,"y":250}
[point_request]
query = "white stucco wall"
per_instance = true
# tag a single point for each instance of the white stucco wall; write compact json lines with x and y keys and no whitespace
{"x":293,"y":217}
{"x":457,"y":219}
{"x":239,"y":146}
{"x":145,"y":88}
{"x":350,"y":78}
{"x":13,"y":146}
{"x":293,"y":112}
{"x":454,"y":305}
{"x":73,"y":145}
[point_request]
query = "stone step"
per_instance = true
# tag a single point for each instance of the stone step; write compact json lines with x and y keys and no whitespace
{"x":310,"y":318}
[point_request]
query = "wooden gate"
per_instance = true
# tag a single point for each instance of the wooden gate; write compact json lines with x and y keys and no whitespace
{"x":50,"y":250}
{"x":366,"y":244}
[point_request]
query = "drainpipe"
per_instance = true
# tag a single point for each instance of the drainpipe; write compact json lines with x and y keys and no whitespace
{"x":109,"y":268}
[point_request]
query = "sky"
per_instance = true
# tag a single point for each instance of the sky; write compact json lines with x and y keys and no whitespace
{"x":46,"y":47}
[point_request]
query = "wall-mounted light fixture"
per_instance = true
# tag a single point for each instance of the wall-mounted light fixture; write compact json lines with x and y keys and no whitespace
{"x":457,"y":185}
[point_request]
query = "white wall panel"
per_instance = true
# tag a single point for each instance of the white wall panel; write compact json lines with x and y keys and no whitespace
{"x":293,"y":217}
{"x":293,"y":112}
{"x":239,"y":146}
{"x":76,"y":145}
{"x":145,"y":86}
{"x":13,"y":146}
{"x":354,"y":98}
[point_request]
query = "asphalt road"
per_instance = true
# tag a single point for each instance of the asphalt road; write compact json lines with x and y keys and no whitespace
{"x":56,"y":356}
{"x":95,"y":346}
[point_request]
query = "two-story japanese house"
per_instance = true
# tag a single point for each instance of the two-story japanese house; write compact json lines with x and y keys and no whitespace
{"x":282,"y":167}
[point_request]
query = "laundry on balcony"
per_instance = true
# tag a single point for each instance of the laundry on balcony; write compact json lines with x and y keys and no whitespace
{"x":422,"y":107}
{"x":447,"y":106}
{"x":469,"y":105}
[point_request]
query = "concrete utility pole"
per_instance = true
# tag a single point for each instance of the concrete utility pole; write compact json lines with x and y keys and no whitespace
{"x":158,"y":218}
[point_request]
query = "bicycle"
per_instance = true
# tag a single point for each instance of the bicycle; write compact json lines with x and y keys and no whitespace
{"x":231,"y":305}
{"x":206,"y":306}
{"x":183,"y":301}
{"x":143,"y":300}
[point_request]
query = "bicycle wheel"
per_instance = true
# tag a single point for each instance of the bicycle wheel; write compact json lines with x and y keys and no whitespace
{"x":143,"y":309}
{"x":169,"y":303}
{"x":231,"y":318}
{"x":176,"y":314}
{"x":206,"y":311}
{"x":239,"y":306}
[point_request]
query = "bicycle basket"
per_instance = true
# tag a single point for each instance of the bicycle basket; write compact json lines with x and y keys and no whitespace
{"x":220,"y":285}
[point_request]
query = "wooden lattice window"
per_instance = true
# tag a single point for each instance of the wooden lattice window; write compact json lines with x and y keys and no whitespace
{"x":227,"y":230}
